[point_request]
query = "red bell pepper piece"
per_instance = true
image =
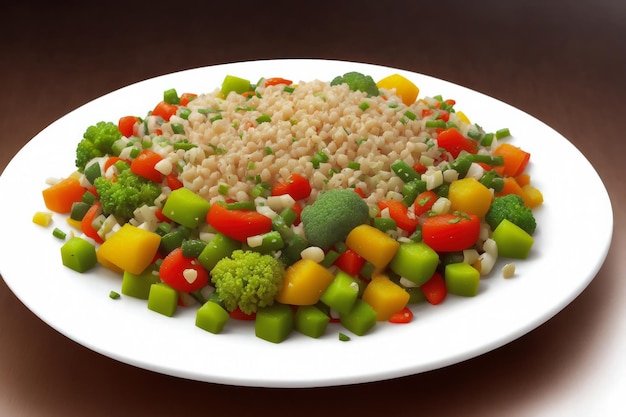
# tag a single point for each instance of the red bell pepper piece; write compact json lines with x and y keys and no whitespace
{"x":454,"y":142}
{"x":435,"y":289}
{"x":350,"y":262}
{"x":400,"y":213}
{"x":451,"y":232}
{"x":297,"y":186}
{"x":238,"y":224}
{"x":176,"y":270}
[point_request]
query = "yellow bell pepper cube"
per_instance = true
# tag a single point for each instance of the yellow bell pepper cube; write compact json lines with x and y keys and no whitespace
{"x":374,"y":245}
{"x":304,"y":283}
{"x":131,"y":249}
{"x":385,"y":296}
{"x":42,"y":218}
{"x":405,"y":89}
{"x":469,"y":196}
{"x":463,"y":117}
{"x":532,"y":196}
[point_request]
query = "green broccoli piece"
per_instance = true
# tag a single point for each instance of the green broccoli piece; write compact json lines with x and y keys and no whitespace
{"x":358,"y":82}
{"x":97,"y":141}
{"x":247,"y":280}
{"x":332,"y":216}
{"x":512,"y":208}
{"x":127,"y":193}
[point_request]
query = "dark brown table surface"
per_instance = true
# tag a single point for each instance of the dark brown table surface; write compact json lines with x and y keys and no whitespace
{"x":562,"y":62}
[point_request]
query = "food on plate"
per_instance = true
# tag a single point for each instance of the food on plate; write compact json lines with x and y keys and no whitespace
{"x":299,"y":206}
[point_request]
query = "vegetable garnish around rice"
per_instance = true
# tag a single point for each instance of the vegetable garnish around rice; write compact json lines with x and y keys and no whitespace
{"x":319,"y":202}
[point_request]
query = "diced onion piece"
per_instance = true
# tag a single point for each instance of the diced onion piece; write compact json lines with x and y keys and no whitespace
{"x":407,"y":283}
{"x":433,"y":179}
{"x":314,"y":253}
{"x":164,"y":166}
{"x":426,"y":160}
{"x":508,"y":270}
{"x":450,"y":175}
{"x":266,"y":211}
{"x":441,"y":206}
{"x":470,"y":256}
{"x":254,"y":241}
{"x":280,"y":202}
{"x":190,"y":275}
{"x":475,"y":171}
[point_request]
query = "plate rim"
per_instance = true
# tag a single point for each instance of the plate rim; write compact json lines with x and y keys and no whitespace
{"x":318,"y":380}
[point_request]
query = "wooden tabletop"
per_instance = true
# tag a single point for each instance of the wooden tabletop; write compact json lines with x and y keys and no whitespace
{"x":562,"y":62}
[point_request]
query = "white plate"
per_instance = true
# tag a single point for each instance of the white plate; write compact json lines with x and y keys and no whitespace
{"x":567,"y":255}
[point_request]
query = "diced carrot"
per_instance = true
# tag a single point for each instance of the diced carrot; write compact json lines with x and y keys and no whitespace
{"x":532,"y":196}
{"x":60,"y":196}
{"x":523,"y":179}
{"x":144,"y":165}
{"x":277,"y":81}
{"x":165,"y":110}
{"x":126,"y":125}
{"x":511,"y":187}
{"x":515,"y":159}
{"x":185,"y":98}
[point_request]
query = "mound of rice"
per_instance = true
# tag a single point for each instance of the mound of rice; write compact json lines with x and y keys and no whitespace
{"x":266,"y":137}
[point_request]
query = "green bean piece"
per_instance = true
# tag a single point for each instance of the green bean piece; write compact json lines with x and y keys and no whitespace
{"x":192,"y":248}
{"x":171,"y":241}
{"x":241,"y":205}
{"x":330,"y":258}
{"x":271,"y":241}
{"x":59,"y":234}
{"x":289,"y":215}
{"x":405,"y":171}
{"x":503,"y":133}
{"x":439,"y":123}
{"x":79,"y":209}
{"x":177,"y":128}
{"x":384,"y":224}
{"x":487,"y":140}
{"x":171,"y":96}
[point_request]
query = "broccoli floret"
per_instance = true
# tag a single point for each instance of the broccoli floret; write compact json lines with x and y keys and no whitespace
{"x":358,"y":82}
{"x":512,"y":208}
{"x":247,"y":280}
{"x":127,"y":193}
{"x":97,"y":141}
{"x":332,"y":216}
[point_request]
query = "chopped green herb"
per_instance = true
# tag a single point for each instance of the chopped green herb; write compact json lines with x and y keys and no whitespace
{"x":215,"y":118}
{"x":354,"y":165}
{"x":217,"y":150}
{"x":178,"y":128}
{"x":364,"y":106}
{"x":344,"y":337}
{"x":114,"y":295}
{"x":183,"y":144}
{"x":223,"y":189}
{"x":264,"y":118}
{"x":208,"y":110}
{"x":318,"y":158}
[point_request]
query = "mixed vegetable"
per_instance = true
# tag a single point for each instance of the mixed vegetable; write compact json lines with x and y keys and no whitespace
{"x":278,"y":259}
